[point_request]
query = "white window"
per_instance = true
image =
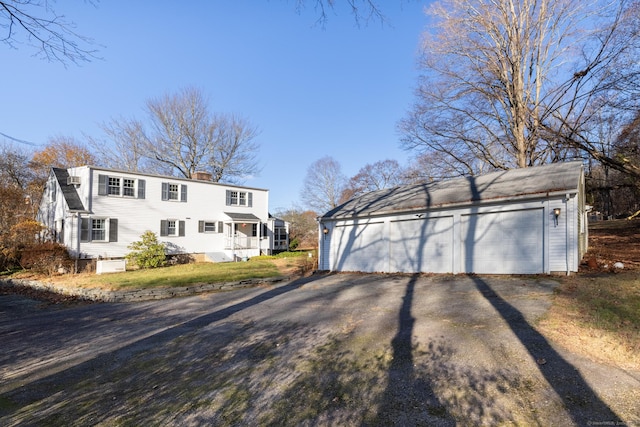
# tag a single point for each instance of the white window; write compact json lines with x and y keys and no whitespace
{"x":210,"y":227}
{"x":119,"y":186}
{"x":114,"y":186}
{"x":128,"y":187}
{"x":173,"y":191}
{"x":239,"y":198}
{"x":172,"y":227}
{"x":99,"y":230}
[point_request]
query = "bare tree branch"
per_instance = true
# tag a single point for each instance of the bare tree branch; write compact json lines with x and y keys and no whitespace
{"x":181,"y":137}
{"x":518,"y":83}
{"x":36,"y":24}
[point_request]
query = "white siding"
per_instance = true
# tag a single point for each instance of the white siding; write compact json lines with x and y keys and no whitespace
{"x":516,"y":238}
{"x":508,"y":242}
{"x":422,"y":244}
{"x":359,"y":247}
{"x":206,"y":201}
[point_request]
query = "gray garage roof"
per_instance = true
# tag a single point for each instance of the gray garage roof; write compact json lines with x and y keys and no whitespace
{"x":502,"y":185}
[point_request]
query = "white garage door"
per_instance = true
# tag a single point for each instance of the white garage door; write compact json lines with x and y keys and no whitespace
{"x":361,"y":247}
{"x":422,"y":245}
{"x":503,"y":242}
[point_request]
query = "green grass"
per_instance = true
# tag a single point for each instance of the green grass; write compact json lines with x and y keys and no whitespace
{"x":186,"y":275}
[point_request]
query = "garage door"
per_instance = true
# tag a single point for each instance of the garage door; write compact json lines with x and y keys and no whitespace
{"x":422,"y":245}
{"x":361,"y":247}
{"x":503,"y":242}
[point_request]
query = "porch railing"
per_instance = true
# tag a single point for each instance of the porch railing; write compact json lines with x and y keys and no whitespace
{"x":241,"y":242}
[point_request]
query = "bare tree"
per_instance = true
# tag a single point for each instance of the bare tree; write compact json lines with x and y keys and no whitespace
{"x":123,"y":146}
{"x":323,"y":185}
{"x":181,"y":136}
{"x":15,"y":170}
{"x":362,"y":10}
{"x":377,"y":176}
{"x":516,"y":83}
{"x":37,"y":24}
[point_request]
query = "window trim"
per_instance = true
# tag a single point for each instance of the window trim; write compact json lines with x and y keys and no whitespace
{"x":179,"y":227}
{"x":87,"y":229}
{"x":181,"y":192}
{"x":104,"y":186}
{"x":202,"y":226}
{"x":239,"y":198}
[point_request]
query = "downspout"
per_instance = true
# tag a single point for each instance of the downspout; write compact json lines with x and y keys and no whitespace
{"x":77,"y":238}
{"x":566,"y":235}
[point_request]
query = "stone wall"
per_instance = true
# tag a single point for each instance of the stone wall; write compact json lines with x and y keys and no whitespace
{"x":139,"y":294}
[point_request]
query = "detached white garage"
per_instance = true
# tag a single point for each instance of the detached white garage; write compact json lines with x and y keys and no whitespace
{"x":521,"y":221}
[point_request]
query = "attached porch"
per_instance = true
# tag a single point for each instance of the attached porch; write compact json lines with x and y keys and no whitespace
{"x":242,"y":234}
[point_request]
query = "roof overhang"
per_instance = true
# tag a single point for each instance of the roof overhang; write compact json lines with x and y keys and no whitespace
{"x":243,"y":217}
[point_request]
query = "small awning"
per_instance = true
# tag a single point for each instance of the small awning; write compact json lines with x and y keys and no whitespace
{"x":242,"y":217}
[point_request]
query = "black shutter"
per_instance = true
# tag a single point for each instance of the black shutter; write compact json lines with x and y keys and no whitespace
{"x":250,"y":199}
{"x":102,"y":185}
{"x":141,"y":188}
{"x":180,"y":228}
{"x":84,"y":229}
{"x":165,"y":191}
{"x":163,"y":227}
{"x":183,"y":193}
{"x":200,"y":226}
{"x":113,"y":230}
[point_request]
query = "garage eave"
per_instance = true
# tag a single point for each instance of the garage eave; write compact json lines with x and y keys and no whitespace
{"x":498,"y":187}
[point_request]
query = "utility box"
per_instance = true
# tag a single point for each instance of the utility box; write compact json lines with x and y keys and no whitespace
{"x":110,"y":266}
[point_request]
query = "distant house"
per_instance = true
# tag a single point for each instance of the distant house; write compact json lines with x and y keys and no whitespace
{"x":98,"y":212}
{"x":520,"y":221}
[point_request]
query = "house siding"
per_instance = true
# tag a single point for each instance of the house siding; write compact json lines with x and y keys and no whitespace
{"x":145,"y":209}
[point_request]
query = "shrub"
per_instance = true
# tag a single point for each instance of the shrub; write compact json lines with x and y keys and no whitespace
{"x":148,"y":252}
{"x":47,"y":258}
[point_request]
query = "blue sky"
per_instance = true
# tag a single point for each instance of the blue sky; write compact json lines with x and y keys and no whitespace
{"x":313,"y":91}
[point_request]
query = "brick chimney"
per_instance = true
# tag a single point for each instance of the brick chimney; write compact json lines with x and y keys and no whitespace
{"x":202,"y":176}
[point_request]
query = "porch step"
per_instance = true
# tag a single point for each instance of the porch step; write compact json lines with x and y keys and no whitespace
{"x":217,"y":257}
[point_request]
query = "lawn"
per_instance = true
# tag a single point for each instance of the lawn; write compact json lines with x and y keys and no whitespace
{"x":597,"y":312}
{"x":193,"y":274}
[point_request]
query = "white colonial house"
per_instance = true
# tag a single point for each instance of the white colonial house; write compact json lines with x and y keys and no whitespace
{"x":98,"y":212}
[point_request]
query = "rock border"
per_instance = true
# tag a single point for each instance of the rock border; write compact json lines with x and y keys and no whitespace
{"x":103,"y":295}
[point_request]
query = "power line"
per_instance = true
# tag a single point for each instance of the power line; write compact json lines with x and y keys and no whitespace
{"x":21,"y":141}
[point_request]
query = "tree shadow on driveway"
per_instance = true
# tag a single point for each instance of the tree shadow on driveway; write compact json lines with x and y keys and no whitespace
{"x":579,"y":400}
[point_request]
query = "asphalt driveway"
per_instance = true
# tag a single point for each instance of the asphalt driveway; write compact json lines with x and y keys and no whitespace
{"x":342,"y":349}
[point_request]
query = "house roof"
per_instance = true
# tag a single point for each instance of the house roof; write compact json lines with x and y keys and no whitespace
{"x":68,"y":191}
{"x":172,"y":178}
{"x":247,"y":217}
{"x":529,"y":182}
